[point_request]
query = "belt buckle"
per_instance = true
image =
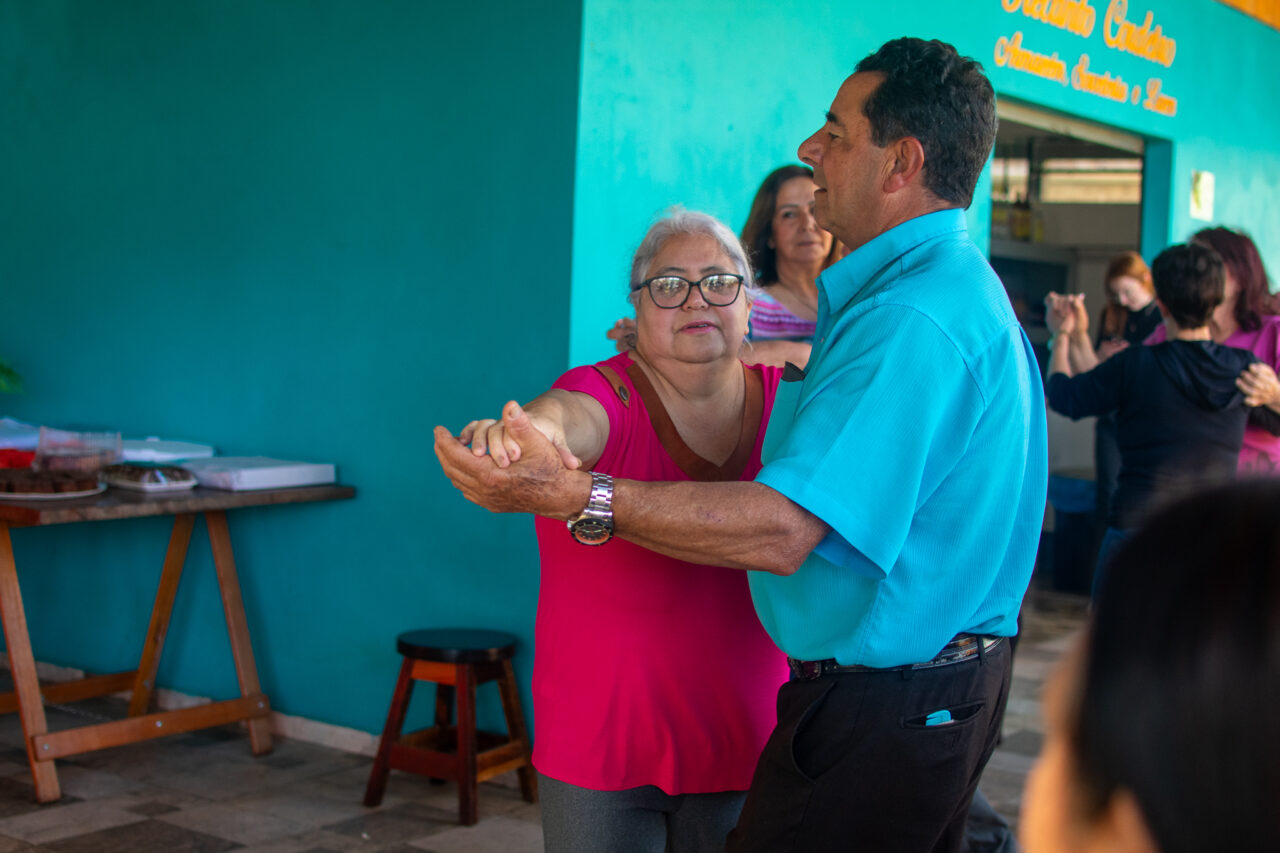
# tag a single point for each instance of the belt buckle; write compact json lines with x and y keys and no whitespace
{"x":808,"y":670}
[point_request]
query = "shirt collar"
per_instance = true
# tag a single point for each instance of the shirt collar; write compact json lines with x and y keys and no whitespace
{"x":842,"y":281}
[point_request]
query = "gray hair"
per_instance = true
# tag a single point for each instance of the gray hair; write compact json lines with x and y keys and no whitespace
{"x":678,"y":221}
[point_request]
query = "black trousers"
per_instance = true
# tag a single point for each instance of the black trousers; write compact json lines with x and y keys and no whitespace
{"x":852,"y":766}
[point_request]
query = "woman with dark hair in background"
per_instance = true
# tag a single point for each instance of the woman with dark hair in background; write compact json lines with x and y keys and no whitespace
{"x":1248,"y":319}
{"x":1162,"y":730}
{"x":787,"y":251}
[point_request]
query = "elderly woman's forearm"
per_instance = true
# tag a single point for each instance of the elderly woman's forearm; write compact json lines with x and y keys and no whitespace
{"x":739,"y":525}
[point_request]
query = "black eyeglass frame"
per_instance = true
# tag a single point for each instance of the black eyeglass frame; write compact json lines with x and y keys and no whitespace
{"x":646,"y":285}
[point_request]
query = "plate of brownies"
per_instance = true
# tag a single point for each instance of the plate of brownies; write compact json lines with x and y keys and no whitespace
{"x":24,"y":484}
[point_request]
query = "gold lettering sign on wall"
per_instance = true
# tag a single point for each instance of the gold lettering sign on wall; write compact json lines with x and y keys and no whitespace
{"x":1122,"y":30}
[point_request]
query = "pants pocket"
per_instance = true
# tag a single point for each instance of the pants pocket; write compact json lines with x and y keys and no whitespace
{"x":943,"y":719}
{"x":811,"y":750}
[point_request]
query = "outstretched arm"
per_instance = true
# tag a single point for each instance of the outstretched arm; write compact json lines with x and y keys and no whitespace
{"x":740,"y":525}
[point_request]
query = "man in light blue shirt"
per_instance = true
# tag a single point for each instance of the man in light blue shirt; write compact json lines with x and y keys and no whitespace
{"x":893,"y":529}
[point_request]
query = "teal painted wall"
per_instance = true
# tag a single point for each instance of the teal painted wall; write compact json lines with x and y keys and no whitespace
{"x":302,"y":229}
{"x":316,"y":229}
{"x":694,"y":102}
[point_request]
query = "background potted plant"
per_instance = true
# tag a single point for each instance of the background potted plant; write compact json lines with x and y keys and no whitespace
{"x":9,"y":378}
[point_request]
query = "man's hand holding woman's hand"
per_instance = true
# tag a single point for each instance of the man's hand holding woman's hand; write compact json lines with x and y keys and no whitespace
{"x":539,"y":482}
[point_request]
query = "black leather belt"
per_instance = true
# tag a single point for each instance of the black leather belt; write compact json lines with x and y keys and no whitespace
{"x":961,"y":648}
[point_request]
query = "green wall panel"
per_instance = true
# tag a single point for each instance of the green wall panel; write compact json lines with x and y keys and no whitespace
{"x":301,"y":229}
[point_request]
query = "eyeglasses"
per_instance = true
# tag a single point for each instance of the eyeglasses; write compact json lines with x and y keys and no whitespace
{"x":672,"y":291}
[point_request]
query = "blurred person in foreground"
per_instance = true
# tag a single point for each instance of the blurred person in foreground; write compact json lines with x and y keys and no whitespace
{"x":1162,"y":733}
{"x":890,"y":536}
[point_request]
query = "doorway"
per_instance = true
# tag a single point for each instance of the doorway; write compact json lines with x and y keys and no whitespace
{"x":1067,"y":197}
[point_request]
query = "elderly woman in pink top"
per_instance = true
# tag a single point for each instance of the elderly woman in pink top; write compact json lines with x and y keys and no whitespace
{"x":653,"y":681}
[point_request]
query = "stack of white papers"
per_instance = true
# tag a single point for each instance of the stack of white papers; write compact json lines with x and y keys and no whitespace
{"x":239,"y":473}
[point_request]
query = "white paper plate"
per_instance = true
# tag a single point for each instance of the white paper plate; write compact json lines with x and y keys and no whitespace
{"x":51,"y":496}
{"x":135,"y":486}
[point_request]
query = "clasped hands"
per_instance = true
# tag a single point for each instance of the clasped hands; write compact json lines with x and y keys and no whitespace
{"x":528,"y":469}
{"x":1065,"y":313}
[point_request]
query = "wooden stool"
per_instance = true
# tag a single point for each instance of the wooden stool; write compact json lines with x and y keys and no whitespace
{"x":456,"y":660}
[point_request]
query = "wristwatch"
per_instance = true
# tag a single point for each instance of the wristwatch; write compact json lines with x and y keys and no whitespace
{"x":595,"y":525}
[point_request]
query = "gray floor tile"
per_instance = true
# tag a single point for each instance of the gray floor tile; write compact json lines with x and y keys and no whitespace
{"x":233,"y":822}
{"x":89,"y":784}
{"x":55,"y":822}
{"x":396,"y":825}
{"x":13,"y":845}
{"x":499,"y":833}
{"x":148,"y":836}
{"x":1023,"y":742}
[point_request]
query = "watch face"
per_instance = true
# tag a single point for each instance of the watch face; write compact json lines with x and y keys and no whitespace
{"x":592,"y":531}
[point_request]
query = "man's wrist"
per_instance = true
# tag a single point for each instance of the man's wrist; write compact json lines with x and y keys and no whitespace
{"x":577,"y":494}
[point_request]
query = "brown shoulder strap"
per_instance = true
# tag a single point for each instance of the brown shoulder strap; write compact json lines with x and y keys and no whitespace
{"x":752,"y":413}
{"x":688,"y":461}
{"x":620,"y":388}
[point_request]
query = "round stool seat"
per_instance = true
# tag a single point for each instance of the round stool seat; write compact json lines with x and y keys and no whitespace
{"x":457,"y":645}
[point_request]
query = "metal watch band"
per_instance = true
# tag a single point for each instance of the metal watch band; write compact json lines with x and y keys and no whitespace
{"x":594,"y":526}
{"x":601,"y":499}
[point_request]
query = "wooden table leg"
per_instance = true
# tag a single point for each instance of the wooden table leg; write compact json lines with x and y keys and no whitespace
{"x":237,"y":626}
{"x":144,"y":682}
{"x":23,"y":666}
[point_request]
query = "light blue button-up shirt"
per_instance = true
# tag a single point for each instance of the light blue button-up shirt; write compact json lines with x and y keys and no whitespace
{"x":918,"y":435}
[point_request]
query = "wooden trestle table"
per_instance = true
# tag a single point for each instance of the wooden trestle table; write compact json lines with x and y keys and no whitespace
{"x":28,"y":697}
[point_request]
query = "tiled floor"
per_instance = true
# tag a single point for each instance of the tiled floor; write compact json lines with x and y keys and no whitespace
{"x":205,"y":793}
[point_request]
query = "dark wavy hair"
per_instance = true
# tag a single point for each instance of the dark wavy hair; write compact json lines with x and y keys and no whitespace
{"x":759,"y":228}
{"x":1190,"y":282}
{"x":932,"y":93}
{"x":1176,"y":701}
{"x":1245,"y":265}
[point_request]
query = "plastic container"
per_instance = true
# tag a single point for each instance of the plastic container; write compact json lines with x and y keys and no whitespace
{"x":81,"y":452}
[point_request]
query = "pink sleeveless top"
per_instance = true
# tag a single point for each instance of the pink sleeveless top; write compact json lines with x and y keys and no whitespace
{"x":649,"y":670}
